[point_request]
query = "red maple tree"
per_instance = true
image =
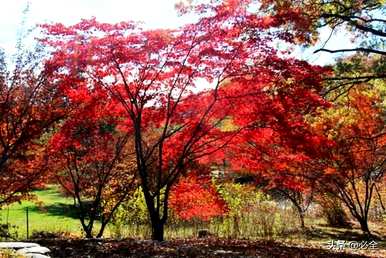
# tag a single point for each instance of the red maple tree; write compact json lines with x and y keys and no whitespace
{"x":86,"y":156}
{"x":357,"y":162}
{"x":157,"y":77}
{"x":30,"y":104}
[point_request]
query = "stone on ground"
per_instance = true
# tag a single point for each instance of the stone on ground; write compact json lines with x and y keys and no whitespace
{"x":31,"y":250}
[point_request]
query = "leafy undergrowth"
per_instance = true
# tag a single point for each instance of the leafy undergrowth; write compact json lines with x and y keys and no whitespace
{"x":7,"y":253}
{"x":203,"y":248}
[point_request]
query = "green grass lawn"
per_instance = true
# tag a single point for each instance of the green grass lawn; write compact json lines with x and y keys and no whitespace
{"x":49,"y":211}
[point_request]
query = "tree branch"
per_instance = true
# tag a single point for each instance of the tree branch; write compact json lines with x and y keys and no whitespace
{"x":359,"y":49}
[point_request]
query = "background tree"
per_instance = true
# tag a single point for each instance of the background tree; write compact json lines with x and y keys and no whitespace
{"x":355,"y":71}
{"x":91,"y":157}
{"x":277,"y":146}
{"x":358,"y":159}
{"x":303,"y":18}
{"x":333,"y":210}
{"x":363,"y":20}
{"x":30,"y":104}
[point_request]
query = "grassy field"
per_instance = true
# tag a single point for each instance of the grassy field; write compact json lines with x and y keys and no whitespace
{"x":49,"y":211}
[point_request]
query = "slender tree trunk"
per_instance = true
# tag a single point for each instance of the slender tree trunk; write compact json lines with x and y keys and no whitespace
{"x":107,"y":219}
{"x":364,"y":226}
{"x":158,"y":211}
{"x":88,"y":231}
{"x":157,"y":229}
{"x":301,"y":216}
{"x":102,"y":229}
{"x":296,"y":200}
{"x":157,"y":224}
{"x":236,"y":228}
{"x":86,"y":227}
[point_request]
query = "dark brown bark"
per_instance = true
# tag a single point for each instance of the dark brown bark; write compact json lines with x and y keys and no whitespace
{"x":300,"y":203}
{"x":364,"y":226}
{"x":157,"y":230}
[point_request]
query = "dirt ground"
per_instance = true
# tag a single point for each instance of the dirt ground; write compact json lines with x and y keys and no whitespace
{"x":203,"y":248}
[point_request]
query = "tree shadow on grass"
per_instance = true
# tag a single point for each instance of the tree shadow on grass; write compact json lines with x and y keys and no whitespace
{"x":341,"y":234}
{"x":50,"y":190}
{"x":57,"y":209}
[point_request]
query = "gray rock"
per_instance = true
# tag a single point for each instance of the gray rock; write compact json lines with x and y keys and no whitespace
{"x":224,"y":252}
{"x":34,"y":249}
{"x":36,"y":256}
{"x":17,"y":245}
{"x":31,"y":250}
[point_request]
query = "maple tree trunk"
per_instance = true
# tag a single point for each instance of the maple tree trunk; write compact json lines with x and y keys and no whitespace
{"x":157,"y":229}
{"x":364,"y":226}
{"x":298,"y":207}
{"x":89,"y":234}
{"x":102,"y":229}
{"x":87,"y":230}
{"x":158,"y":220}
{"x":301,"y":216}
{"x":361,"y":218}
{"x":82,"y":214}
{"x":360,"y":210}
{"x":157,"y":223}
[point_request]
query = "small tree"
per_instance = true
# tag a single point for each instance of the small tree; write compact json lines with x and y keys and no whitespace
{"x":357,"y":162}
{"x":333,"y":210}
{"x":87,"y":158}
{"x":30,"y":104}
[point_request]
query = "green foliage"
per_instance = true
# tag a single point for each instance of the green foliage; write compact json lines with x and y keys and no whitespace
{"x":239,"y":197}
{"x":249,"y":206}
{"x":359,"y":71}
{"x":8,"y":231}
{"x":131,"y":218}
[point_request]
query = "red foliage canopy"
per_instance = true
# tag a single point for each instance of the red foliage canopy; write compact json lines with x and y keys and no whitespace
{"x":156,"y":76}
{"x":195,"y":197}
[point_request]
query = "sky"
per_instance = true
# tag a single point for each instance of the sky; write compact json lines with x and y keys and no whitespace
{"x":153,"y":14}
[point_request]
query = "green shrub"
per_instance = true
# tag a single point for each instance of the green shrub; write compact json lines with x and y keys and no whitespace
{"x":251,"y":214}
{"x":131,"y":218}
{"x":8,"y":231}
